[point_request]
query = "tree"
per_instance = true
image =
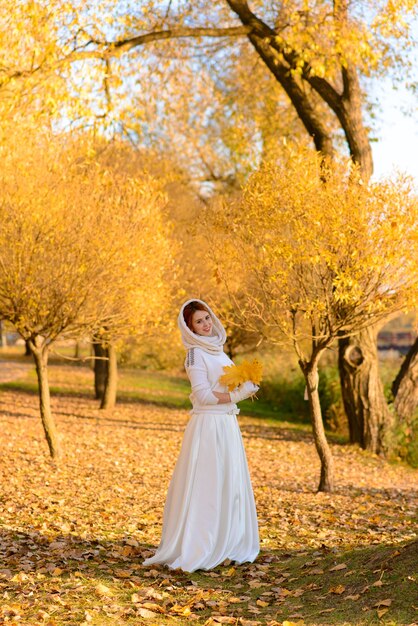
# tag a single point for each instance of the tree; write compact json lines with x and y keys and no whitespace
{"x":322,"y":260}
{"x":146,"y":289}
{"x":405,"y":385}
{"x":78,"y":76}
{"x":317,"y":51}
{"x":321,"y":53}
{"x":79,"y":247}
{"x":35,"y":86}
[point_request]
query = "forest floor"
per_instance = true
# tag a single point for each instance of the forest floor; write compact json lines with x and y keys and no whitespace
{"x":73,"y":537}
{"x":14,"y":370}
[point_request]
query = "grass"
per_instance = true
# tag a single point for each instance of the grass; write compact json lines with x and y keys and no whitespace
{"x":375,"y":583}
{"x":333,"y":597}
{"x":281,"y":400}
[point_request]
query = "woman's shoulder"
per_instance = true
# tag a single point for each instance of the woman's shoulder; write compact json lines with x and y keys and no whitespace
{"x":194,"y":356}
{"x":197,"y":356}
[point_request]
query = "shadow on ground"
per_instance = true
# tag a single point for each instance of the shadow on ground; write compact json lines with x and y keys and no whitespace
{"x":318,"y":586}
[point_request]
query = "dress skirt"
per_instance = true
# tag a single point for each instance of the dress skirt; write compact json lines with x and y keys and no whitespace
{"x":210,"y":514}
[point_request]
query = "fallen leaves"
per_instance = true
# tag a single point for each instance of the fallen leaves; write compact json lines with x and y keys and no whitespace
{"x":123,"y":573}
{"x":338,"y":567}
{"x":146,"y":613}
{"x":262,"y":603}
{"x":316,"y":571}
{"x":386,"y":602}
{"x":73,"y":538}
{"x":324,"y":611}
{"x":151,"y":606}
{"x":229,"y":572}
{"x":102,"y":590}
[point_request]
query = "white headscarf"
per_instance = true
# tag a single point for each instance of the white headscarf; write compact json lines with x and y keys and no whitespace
{"x":213,"y":344}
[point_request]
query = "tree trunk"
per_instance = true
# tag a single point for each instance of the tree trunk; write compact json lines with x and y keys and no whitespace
{"x":365,"y":404}
{"x":326,"y":482}
{"x":405,"y":385}
{"x":263,"y":38}
{"x":28,"y":351}
{"x":348,"y":103}
{"x":362,"y":391}
{"x":39,"y":351}
{"x":109,"y":396}
{"x":3,"y":340}
{"x":100,"y":369}
{"x":77,"y":350}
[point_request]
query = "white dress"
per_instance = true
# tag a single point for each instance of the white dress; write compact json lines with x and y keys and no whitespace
{"x":210,"y":514}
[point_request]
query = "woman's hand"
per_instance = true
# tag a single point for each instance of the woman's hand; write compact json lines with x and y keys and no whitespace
{"x":244,"y":391}
{"x":223,"y":397}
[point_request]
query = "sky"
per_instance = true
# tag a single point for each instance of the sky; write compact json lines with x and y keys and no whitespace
{"x":397,"y":134}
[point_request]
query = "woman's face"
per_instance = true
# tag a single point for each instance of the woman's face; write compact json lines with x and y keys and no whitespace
{"x":202,"y":323}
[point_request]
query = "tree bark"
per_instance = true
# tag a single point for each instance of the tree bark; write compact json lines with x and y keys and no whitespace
{"x":310,"y":371}
{"x":347,"y":105}
{"x":263,"y":38}
{"x":3,"y":341}
{"x":39,"y":350}
{"x":100,"y":369}
{"x":109,"y":396}
{"x":363,"y":396}
{"x":77,"y":350}
{"x":362,"y":391}
{"x":28,"y":351}
{"x":405,"y":385}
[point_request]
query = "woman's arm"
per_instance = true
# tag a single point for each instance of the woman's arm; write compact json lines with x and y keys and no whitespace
{"x":201,"y":388}
{"x":244,"y":391}
{"x":223,"y":398}
{"x":198,"y":375}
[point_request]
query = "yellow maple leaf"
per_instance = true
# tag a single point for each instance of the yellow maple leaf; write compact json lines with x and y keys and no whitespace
{"x":234,"y":375}
{"x":252,"y":370}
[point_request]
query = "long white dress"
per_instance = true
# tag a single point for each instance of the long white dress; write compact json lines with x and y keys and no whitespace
{"x":210,"y":514}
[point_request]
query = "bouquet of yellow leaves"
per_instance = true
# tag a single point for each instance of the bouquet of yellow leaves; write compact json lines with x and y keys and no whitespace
{"x":236,"y":374}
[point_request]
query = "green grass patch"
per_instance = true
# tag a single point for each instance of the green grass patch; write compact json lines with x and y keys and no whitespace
{"x":280,"y":401}
{"x":372,"y":585}
{"x":360,"y":587}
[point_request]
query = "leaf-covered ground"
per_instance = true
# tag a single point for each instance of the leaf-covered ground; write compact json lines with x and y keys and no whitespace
{"x":72,"y":539}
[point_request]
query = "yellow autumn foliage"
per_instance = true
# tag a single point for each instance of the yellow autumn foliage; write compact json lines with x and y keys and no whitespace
{"x":321,"y":259}
{"x":237,"y":374}
{"x":81,"y":63}
{"x":84,"y":247}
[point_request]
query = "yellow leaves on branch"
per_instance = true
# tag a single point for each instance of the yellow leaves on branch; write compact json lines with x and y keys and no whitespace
{"x":84,"y":246}
{"x":319,"y":248}
{"x":237,"y":374}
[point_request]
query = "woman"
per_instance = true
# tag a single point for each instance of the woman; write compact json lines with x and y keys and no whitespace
{"x":209,"y":515}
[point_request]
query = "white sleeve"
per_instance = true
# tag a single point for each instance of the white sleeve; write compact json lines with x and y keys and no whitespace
{"x":198,"y":375}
